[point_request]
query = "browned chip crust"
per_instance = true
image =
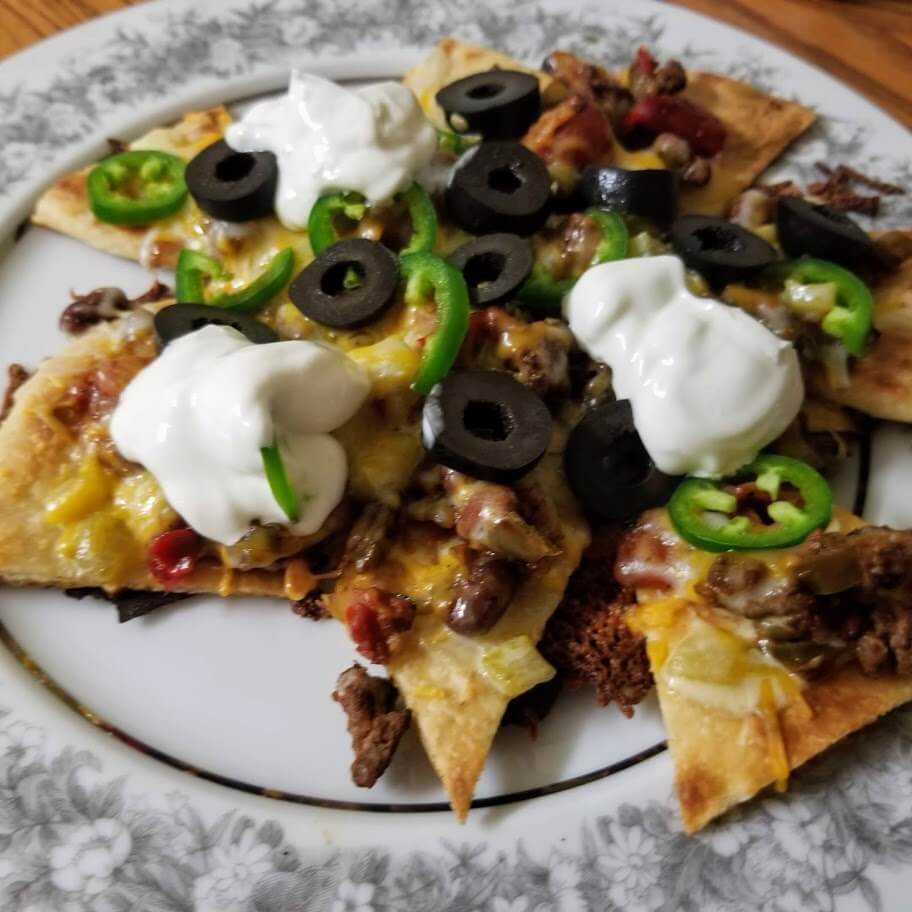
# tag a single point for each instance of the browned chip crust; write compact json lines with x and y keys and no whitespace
{"x":721,"y":760}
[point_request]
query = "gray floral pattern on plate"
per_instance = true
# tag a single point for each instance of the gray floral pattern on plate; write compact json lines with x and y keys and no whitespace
{"x":72,"y":838}
{"x":75,"y":840}
{"x":136,"y":67}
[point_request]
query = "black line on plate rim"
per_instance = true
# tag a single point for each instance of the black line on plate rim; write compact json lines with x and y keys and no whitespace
{"x":30,"y":665}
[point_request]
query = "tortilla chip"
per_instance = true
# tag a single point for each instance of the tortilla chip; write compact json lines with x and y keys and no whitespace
{"x":457,"y":709}
{"x":65,"y":206}
{"x":39,"y":452}
{"x":452,"y":60}
{"x":721,"y":760}
{"x":880,"y":383}
{"x":760,"y":128}
{"x":722,"y":756}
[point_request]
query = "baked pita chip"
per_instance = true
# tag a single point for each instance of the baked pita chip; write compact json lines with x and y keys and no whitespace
{"x":456,"y":706}
{"x":724,"y":753}
{"x":760,"y":127}
{"x":880,"y":383}
{"x":72,"y":513}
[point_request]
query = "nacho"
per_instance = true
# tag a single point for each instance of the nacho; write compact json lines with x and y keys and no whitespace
{"x":760,"y":127}
{"x":739,"y":720}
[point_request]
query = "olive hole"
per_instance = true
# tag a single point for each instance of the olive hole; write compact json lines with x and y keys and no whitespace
{"x":487,"y":90}
{"x":487,"y":420}
{"x":342,"y":277}
{"x":628,"y":463}
{"x":713,"y":237}
{"x":484,"y":268}
{"x":235,"y":167}
{"x":504,"y":180}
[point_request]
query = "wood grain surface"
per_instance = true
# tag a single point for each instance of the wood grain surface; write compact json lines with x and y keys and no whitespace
{"x":865,"y":43}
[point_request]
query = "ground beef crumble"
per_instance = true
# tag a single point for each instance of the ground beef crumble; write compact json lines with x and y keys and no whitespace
{"x":376,"y":723}
{"x":588,"y":641}
{"x":109,"y":303}
{"x":312,"y":606}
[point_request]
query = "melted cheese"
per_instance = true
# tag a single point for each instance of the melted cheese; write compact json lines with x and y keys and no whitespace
{"x":708,"y":656}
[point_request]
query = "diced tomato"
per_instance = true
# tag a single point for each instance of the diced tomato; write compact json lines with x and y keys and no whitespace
{"x":645,"y":62}
{"x":657,"y":114}
{"x":364,"y":627}
{"x":173,"y":555}
{"x":374,"y":618}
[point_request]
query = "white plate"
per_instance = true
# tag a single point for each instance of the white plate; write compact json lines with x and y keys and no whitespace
{"x":583,"y":819}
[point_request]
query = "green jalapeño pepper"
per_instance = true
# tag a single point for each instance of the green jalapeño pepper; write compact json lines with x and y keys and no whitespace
{"x":321,"y":221}
{"x":542,"y":293}
{"x":279,"y":483}
{"x":851,"y":319}
{"x":427,"y":275}
{"x":196,"y":270}
{"x":137,"y":187}
{"x":708,"y":514}
{"x":454,"y":143}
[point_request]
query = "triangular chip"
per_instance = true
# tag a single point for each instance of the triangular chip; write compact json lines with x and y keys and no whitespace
{"x":64,"y":207}
{"x":760,"y":128}
{"x":243,"y":248}
{"x":736,"y":720}
{"x":72,"y":513}
{"x":722,"y":760}
{"x":440,"y":674}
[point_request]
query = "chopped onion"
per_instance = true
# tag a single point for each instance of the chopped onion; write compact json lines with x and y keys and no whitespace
{"x":515,"y":666}
{"x":810,"y":302}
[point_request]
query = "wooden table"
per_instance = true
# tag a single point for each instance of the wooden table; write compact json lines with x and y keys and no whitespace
{"x":866,"y":43}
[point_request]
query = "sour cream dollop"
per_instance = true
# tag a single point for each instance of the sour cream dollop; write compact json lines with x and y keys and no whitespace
{"x":199,"y":414}
{"x":372,"y":139}
{"x":709,"y":386}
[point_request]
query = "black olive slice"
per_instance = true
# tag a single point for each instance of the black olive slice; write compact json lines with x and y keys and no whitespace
{"x":347,"y":285}
{"x":494,"y":266}
{"x":499,"y":186}
{"x":233,"y":186}
{"x":608,"y":467}
{"x":721,"y":251}
{"x":822,"y":231}
{"x":486,"y":424}
{"x":499,"y":104}
{"x":177,"y":320}
{"x":650,"y":193}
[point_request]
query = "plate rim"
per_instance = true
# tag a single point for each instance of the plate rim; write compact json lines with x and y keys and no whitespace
{"x":561,"y":869}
